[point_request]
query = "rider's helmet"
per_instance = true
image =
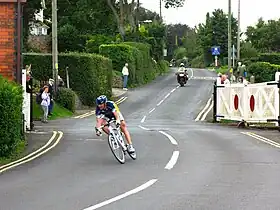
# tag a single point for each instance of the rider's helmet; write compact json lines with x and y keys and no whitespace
{"x":182,"y":64}
{"x":101,"y":99}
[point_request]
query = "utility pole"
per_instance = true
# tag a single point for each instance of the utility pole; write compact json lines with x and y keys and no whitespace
{"x":54,"y":45}
{"x":238,"y":33}
{"x":229,"y":35}
{"x":160,"y":13}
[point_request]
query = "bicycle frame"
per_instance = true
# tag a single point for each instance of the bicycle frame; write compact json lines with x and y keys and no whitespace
{"x":116,"y":133}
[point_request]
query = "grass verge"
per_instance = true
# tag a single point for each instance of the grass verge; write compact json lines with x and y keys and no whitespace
{"x":58,"y":111}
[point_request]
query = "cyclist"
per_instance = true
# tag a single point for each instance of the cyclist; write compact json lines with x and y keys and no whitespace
{"x":110,"y":110}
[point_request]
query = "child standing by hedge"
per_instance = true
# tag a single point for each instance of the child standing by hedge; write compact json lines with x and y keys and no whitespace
{"x":45,"y":103}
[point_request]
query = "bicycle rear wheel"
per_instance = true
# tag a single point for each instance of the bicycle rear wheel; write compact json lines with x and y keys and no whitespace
{"x":116,"y":149}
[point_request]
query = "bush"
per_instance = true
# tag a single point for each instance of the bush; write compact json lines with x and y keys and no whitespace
{"x":163,"y":66}
{"x":198,"y":62}
{"x":273,"y":58}
{"x":90,"y":75}
{"x":263,"y":71}
{"x":11,"y":100}
{"x":92,"y":45}
{"x":67,"y":98}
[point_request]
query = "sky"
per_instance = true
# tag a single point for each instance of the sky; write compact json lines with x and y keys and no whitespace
{"x":194,"y":11}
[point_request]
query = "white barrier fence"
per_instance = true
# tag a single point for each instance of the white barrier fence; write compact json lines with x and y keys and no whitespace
{"x":250,"y":103}
{"x":26,"y":103}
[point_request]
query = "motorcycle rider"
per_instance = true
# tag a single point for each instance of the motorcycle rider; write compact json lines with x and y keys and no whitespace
{"x":181,"y":70}
{"x":110,"y":110}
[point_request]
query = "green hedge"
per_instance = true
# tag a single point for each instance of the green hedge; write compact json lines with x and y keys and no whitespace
{"x":137,"y":55}
{"x":273,"y":58}
{"x":67,"y":98}
{"x":263,"y":71}
{"x":90,"y":74}
{"x":163,"y":66}
{"x":11,"y":100}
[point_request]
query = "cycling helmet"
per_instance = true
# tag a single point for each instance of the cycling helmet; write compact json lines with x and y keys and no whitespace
{"x":101,"y":100}
{"x":182,"y":64}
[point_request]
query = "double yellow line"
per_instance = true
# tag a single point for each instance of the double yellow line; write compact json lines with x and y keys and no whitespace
{"x":122,"y":99}
{"x":54,"y":140}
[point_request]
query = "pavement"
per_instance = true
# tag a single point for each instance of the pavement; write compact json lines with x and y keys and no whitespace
{"x":181,"y":163}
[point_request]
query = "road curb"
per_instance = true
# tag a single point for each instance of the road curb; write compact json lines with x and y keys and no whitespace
{"x":52,"y":142}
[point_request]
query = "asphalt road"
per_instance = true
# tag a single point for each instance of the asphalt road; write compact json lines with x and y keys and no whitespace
{"x":217,"y":167}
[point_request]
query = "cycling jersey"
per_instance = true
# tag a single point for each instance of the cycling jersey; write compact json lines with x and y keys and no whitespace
{"x":109,"y":110}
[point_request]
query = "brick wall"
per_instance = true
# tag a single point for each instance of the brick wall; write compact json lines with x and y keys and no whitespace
{"x":8,"y":40}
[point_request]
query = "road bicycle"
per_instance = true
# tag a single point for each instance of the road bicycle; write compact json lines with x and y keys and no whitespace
{"x":116,"y":141}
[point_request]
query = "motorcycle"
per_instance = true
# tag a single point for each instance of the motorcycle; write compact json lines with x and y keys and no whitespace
{"x":182,"y":78}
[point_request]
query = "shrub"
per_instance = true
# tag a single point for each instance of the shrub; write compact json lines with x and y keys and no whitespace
{"x":163,"y":66}
{"x":11,"y":100}
{"x":67,"y":98}
{"x":89,"y":74}
{"x":273,"y":58}
{"x":263,"y":71}
{"x":92,"y":45}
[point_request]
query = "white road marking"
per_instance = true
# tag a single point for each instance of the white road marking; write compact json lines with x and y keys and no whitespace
{"x":172,"y":140}
{"x":131,"y":192}
{"x":34,"y":157}
{"x":172,"y":90}
{"x":172,"y":161}
{"x":177,"y":86}
{"x":167,"y":96}
{"x":143,"y":119}
{"x":147,"y":129}
{"x":191,"y":73}
{"x":263,"y":139}
{"x":203,"y":110}
{"x":160,"y":102}
{"x":206,"y":113}
{"x":153,"y":109}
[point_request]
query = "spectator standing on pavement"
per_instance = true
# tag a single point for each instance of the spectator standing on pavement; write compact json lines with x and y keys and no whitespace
{"x":45,"y":103}
{"x":125,"y":74}
{"x":50,"y":87}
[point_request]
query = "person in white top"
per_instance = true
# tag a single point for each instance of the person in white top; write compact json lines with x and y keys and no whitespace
{"x":45,"y":103}
{"x":125,"y":74}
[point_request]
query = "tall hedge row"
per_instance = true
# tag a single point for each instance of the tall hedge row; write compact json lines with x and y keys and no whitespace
{"x":273,"y":58}
{"x":263,"y":71}
{"x":137,"y":55}
{"x":90,"y":74}
{"x":11,"y":100}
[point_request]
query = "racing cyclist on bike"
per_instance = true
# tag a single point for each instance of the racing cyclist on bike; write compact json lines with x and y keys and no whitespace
{"x":110,"y":110}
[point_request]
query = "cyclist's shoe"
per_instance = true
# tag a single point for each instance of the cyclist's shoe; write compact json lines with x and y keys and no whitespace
{"x":130,"y":148}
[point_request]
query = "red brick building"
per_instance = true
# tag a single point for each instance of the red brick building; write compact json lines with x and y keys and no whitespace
{"x":10,"y":61}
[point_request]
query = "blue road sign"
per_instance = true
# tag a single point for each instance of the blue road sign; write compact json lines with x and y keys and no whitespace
{"x":215,"y":50}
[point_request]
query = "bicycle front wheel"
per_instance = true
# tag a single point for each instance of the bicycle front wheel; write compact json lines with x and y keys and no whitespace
{"x":116,"y":149}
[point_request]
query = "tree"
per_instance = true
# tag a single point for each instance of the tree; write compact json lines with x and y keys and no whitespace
{"x":86,"y":16}
{"x":265,"y":36}
{"x":215,"y":33}
{"x":30,"y":8}
{"x":173,"y":3}
{"x":176,"y":36}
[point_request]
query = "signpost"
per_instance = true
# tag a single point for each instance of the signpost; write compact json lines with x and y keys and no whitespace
{"x":215,"y":50}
